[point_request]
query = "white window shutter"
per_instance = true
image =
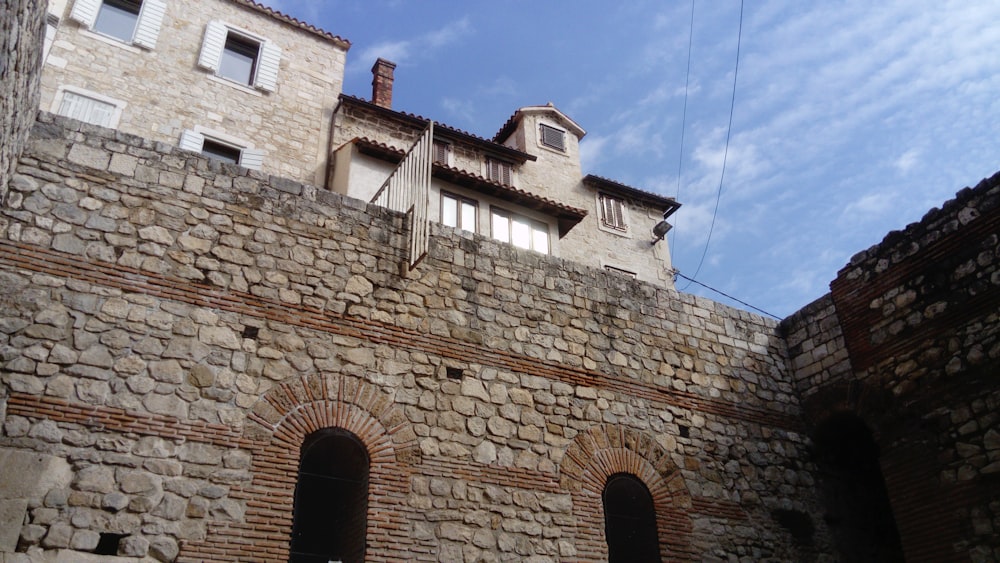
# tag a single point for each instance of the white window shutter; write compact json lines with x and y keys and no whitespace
{"x":149,"y":23}
{"x":191,"y":140}
{"x":267,"y":67}
{"x":252,"y":158}
{"x":211,"y":47}
{"x":85,"y":12}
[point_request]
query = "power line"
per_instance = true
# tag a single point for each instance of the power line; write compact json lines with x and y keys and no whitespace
{"x":744,"y":303}
{"x":680,"y":155}
{"x":725,"y":154}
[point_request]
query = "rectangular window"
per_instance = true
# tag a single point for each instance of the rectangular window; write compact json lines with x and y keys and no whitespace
{"x":612,"y":212}
{"x":442,"y":152}
{"x":519,"y":231}
{"x":240,"y":57}
{"x":225,"y":150}
{"x":498,"y":170}
{"x":553,"y":138}
{"x":117,"y":18}
{"x":136,"y":22}
{"x":88,"y":109}
{"x":458,"y":212}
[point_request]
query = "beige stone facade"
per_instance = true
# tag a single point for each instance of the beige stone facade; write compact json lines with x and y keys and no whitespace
{"x":161,"y":91}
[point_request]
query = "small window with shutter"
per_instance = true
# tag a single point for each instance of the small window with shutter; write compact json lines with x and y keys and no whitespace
{"x":612,"y":212}
{"x":227,"y":150}
{"x":553,"y":138}
{"x":135,"y":22}
{"x":442,"y":153}
{"x":240,"y":57}
{"x":498,"y":170}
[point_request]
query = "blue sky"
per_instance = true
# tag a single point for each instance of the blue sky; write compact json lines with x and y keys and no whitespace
{"x":851,"y":118}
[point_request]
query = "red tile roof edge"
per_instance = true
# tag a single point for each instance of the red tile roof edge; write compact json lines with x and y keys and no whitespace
{"x":285,"y":18}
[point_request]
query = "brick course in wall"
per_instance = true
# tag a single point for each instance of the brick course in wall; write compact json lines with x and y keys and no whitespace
{"x":909,"y":340}
{"x":173,"y":327}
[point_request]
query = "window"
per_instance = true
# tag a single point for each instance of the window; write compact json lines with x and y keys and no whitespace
{"x":498,"y":170}
{"x":330,"y":515}
{"x":135,"y":22}
{"x":553,"y":138}
{"x":222,"y":147}
{"x":458,"y":212}
{"x":442,"y":153}
{"x":629,"y":520}
{"x":240,"y":57}
{"x":51,"y":24}
{"x":88,"y":107}
{"x":519,"y":231}
{"x":612,"y":212}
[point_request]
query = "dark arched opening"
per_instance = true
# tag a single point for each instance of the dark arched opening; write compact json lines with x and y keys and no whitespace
{"x":856,"y":500}
{"x":331,"y":499}
{"x":629,"y":521}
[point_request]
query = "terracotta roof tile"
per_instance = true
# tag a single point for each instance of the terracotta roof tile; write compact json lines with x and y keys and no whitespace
{"x":285,"y":18}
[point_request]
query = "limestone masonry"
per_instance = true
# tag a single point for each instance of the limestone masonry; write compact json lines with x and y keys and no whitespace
{"x":203,"y":361}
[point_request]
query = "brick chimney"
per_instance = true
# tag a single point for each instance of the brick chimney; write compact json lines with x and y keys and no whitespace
{"x":382,"y":83}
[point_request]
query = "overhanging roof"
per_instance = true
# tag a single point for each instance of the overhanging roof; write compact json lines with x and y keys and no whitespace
{"x":668,"y":204}
{"x":566,"y":216}
{"x":441,"y":130}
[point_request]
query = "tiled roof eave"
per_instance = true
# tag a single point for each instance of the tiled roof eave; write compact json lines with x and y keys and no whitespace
{"x":285,"y":18}
{"x":567,"y":216}
{"x":442,"y":130}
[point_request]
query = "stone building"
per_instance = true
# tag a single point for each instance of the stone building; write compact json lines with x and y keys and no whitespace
{"x":207,"y":362}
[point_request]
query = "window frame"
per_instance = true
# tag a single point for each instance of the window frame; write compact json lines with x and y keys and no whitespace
{"x":460,"y":201}
{"x":193,"y":140}
{"x":265,"y":66}
{"x":441,"y":152}
{"x":499,"y":170}
{"x":535,"y":226}
{"x":543,"y":138}
{"x":145,"y":30}
{"x":612,"y":212}
{"x":114,"y":116}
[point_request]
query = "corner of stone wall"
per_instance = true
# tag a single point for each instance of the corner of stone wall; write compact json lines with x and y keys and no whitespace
{"x":21,"y":27}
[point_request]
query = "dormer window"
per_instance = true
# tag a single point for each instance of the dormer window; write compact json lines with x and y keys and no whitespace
{"x":553,"y":138}
{"x":612,"y":212}
{"x":498,"y":170}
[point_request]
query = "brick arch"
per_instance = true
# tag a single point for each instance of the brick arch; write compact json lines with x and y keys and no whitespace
{"x":276,"y":427}
{"x":605,"y":450}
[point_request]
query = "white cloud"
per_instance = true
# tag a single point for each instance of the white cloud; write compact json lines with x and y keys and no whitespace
{"x":907,"y":160}
{"x":403,"y":51}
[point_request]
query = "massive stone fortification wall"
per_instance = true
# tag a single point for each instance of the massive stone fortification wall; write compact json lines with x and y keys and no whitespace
{"x":909,"y":341}
{"x":173,"y":328}
{"x":21,"y":27}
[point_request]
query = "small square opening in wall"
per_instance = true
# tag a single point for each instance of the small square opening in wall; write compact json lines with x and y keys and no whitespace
{"x":454,"y":373}
{"x":251,"y":332}
{"x":108,"y":543}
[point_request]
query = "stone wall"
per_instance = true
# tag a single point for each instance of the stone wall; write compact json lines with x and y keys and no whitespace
{"x":163,"y":91}
{"x":22,"y":28}
{"x":909,"y":341}
{"x":174,"y":327}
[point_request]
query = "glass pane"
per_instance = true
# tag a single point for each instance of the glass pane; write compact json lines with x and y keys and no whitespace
{"x":501,"y":227}
{"x":238,"y":60}
{"x":468,"y":216}
{"x":449,"y":211}
{"x":117,"y":18}
{"x":540,"y":240}
{"x":221,"y":152}
{"x":520,"y":234}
